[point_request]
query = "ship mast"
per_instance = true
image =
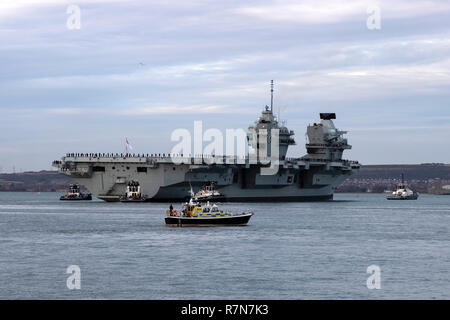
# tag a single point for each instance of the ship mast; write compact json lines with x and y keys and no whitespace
{"x":271,"y":95}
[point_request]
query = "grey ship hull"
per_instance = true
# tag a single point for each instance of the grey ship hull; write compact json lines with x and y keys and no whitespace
{"x":312,"y":177}
{"x":106,"y":176}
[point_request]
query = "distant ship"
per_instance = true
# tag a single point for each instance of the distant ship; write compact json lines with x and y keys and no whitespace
{"x":313,"y":177}
{"x":447,"y":190}
{"x":403,"y":192}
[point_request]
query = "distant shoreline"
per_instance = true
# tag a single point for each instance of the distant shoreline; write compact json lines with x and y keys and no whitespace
{"x":337,"y":192}
{"x":432,"y":178}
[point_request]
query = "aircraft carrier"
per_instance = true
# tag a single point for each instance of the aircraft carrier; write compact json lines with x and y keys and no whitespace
{"x":312,"y":177}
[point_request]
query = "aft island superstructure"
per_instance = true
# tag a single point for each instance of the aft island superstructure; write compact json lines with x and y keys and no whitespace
{"x":162,"y":177}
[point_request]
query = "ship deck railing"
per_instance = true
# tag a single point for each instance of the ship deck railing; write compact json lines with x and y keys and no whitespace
{"x":201,"y":159}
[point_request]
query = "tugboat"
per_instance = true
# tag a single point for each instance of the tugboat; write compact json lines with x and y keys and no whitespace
{"x":208,"y":192}
{"x":74,"y":193}
{"x":194,"y":213}
{"x":403,"y":192}
{"x":134,"y":193}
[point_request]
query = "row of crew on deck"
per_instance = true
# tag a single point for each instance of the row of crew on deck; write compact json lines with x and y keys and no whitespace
{"x":117,"y":155}
{"x":132,"y":155}
{"x":161,"y":155}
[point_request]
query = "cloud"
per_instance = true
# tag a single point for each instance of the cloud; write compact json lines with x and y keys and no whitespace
{"x":399,"y":128}
{"x":351,"y":66}
{"x":305,"y":12}
{"x":205,"y":109}
{"x":14,"y":8}
{"x":332,"y":11}
{"x":355,"y":83}
{"x":63,"y":111}
{"x":148,"y":61}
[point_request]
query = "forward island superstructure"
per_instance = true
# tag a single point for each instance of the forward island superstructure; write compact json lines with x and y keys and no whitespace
{"x":311,"y":177}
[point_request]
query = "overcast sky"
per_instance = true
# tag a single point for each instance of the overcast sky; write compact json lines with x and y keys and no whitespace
{"x":140,"y":69}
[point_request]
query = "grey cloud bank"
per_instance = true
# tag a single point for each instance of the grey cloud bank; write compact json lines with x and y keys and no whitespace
{"x":144,"y":68}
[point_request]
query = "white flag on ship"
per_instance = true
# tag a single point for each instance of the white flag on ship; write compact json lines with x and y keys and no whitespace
{"x":128,"y":144}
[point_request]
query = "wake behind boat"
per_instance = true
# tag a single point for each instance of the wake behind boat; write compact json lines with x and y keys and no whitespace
{"x":197,"y":214}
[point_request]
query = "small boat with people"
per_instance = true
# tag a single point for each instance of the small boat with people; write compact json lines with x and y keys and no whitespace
{"x":133,"y":193}
{"x":194,"y":213}
{"x":208,"y":192}
{"x":75,"y":194}
{"x":403,"y":192}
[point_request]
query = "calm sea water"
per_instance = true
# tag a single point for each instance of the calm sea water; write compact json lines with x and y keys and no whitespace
{"x":317,"y":250}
